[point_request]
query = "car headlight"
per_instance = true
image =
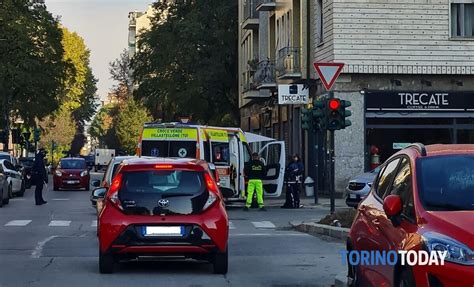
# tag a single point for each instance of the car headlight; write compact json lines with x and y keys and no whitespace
{"x":456,"y":251}
{"x":58,"y":173}
{"x":84,"y":173}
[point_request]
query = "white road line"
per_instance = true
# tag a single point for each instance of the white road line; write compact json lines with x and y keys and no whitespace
{"x":94,"y":223}
{"x":38,"y":251}
{"x":18,"y":223}
{"x":263,"y":224}
{"x":231,"y":225}
{"x":60,"y":199}
{"x":60,"y":223}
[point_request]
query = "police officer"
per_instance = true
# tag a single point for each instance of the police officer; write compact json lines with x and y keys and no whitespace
{"x":40,"y":176}
{"x":293,"y":175}
{"x":255,"y":172}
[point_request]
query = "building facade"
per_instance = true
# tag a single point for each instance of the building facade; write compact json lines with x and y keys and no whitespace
{"x":409,"y":73}
{"x":138,"y":22}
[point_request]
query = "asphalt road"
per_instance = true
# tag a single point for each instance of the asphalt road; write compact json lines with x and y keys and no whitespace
{"x":55,"y":245}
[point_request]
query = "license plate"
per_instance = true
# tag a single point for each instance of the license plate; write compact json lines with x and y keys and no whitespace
{"x":71,"y":181}
{"x":353,"y":196}
{"x":163,"y":231}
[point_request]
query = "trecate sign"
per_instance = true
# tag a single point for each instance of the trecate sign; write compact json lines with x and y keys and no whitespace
{"x":293,"y":94}
{"x":328,"y":73}
{"x":409,"y":101}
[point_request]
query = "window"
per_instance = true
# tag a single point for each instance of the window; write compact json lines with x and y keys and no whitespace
{"x":72,"y":164}
{"x":402,"y":186}
{"x":8,"y":165}
{"x":386,"y":177}
{"x":462,"y":20}
{"x":320,"y":22}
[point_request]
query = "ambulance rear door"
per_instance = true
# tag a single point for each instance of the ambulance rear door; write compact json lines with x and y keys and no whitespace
{"x":274,"y":157}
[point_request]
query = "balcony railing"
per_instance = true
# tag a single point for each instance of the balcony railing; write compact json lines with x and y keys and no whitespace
{"x":250,"y":20}
{"x":248,"y":81}
{"x":289,"y":62}
{"x":266,"y":5}
{"x":265,"y":76}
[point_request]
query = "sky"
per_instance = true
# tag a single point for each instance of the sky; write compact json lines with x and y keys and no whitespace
{"x":104,"y":26}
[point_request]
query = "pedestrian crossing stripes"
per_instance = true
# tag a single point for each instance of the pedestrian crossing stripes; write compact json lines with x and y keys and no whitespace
{"x":18,"y":223}
{"x":93,"y":223}
{"x":60,"y":223}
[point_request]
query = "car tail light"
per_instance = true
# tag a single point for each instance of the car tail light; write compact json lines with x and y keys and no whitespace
{"x":113,"y":192}
{"x":213,"y":191}
{"x":163,"y":166}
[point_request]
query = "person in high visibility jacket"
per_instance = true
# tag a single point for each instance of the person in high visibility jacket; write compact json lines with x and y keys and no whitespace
{"x":255,"y":172}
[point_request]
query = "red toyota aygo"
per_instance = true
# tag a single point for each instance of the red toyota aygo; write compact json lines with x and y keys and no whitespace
{"x":163,"y":207}
{"x":422,"y":200}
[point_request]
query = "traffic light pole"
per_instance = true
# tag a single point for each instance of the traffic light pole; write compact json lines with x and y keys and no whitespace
{"x":332,"y":189}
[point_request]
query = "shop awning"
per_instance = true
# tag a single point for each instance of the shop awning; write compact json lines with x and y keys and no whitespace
{"x":254,"y":138}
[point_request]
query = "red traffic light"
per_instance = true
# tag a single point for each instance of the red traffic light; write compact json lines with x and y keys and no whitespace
{"x":334,"y":104}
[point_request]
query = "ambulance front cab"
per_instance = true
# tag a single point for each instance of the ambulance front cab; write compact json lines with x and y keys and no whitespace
{"x":226,"y":148}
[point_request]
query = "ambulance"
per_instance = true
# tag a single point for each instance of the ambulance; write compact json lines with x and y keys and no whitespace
{"x":226,"y":148}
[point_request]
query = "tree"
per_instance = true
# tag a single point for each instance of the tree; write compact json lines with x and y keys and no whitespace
{"x":31,"y":56}
{"x":130,"y":121}
{"x":121,"y":73}
{"x":186,"y":63}
{"x":102,"y":126}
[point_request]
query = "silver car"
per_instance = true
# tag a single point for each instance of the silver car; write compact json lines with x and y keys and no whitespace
{"x":359,"y":187}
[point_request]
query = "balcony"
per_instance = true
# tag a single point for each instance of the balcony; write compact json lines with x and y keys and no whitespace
{"x":265,"y":76}
{"x":289,"y":63}
{"x":247,"y":81}
{"x":250,"y":16}
{"x":266,"y":5}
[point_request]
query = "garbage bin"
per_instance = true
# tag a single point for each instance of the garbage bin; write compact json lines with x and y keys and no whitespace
{"x":309,"y":187}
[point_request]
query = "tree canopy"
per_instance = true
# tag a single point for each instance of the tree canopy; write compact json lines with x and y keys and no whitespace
{"x":186,"y":64}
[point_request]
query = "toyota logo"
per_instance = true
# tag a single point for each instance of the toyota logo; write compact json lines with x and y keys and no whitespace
{"x":163,"y":202}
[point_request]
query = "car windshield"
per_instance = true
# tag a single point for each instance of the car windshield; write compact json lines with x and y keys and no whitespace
{"x":446,"y":182}
{"x":73,"y":164}
{"x":173,"y":182}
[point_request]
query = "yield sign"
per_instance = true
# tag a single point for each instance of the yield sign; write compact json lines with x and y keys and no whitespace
{"x":328,"y":73}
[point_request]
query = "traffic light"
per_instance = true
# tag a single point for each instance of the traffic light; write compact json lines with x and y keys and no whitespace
{"x":336,"y":114}
{"x":306,"y":119}
{"x":312,"y":119}
{"x":37,"y":135}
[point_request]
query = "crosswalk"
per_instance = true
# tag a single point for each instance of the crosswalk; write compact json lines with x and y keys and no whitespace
{"x":93,"y":223}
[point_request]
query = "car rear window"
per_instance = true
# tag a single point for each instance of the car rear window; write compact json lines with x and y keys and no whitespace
{"x":73,"y":164}
{"x":446,"y":182}
{"x":162,"y":182}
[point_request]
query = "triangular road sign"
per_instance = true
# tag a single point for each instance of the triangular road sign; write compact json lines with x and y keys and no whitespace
{"x":328,"y":73}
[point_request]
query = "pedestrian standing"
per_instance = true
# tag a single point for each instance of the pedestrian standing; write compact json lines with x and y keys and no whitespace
{"x":293,"y":175}
{"x":40,"y":176}
{"x":255,"y":172}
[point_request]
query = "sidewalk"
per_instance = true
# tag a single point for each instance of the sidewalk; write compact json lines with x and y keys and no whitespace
{"x":309,"y":202}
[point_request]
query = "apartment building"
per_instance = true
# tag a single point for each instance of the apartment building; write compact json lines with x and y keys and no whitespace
{"x":409,"y":73}
{"x":138,"y":22}
{"x":273,"y":50}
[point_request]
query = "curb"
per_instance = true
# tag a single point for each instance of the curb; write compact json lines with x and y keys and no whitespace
{"x":316,"y":229}
{"x":341,"y":280}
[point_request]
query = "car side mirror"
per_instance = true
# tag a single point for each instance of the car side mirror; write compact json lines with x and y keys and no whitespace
{"x":100,"y":192}
{"x":95,"y":183}
{"x":392,"y":205}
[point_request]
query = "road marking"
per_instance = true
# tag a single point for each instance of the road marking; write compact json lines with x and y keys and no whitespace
{"x":231,"y":225}
{"x":38,"y":251}
{"x":94,"y":223}
{"x":18,"y":223}
{"x":61,"y":223}
{"x":263,"y":224}
{"x":17,"y":199}
{"x":267,"y":234}
{"x":60,"y":199}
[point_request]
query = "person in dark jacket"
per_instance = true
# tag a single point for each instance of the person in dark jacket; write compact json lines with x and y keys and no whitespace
{"x":255,"y":171}
{"x":293,"y":175}
{"x":40,"y":176}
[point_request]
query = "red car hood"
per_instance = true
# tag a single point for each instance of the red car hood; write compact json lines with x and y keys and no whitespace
{"x":455,"y":224}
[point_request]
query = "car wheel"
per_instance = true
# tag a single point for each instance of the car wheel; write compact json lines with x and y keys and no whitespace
{"x":22,"y":190}
{"x":1,"y":198}
{"x":406,"y":278}
{"x":88,"y":188}
{"x":220,"y":262}
{"x":55,"y":188}
{"x":106,"y":263}
{"x":352,"y":275}
{"x":9,"y":195}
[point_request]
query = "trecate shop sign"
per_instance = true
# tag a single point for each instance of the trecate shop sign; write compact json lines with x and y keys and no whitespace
{"x":398,"y":101}
{"x":293,"y":94}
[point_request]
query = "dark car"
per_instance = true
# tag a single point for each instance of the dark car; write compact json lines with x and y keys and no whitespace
{"x":90,"y":161}
{"x":4,"y":190}
{"x":162,"y":208}
{"x":71,"y":173}
{"x":421,"y":200}
{"x":26,"y":164}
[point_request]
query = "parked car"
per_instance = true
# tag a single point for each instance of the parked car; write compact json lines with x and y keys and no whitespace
{"x":90,"y":161}
{"x":26,"y":164}
{"x":16,"y":183}
{"x":4,"y":190}
{"x":359,"y":187}
{"x":422,"y":199}
{"x":71,"y":173}
{"x":163,"y":207}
